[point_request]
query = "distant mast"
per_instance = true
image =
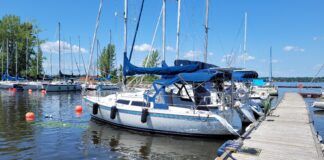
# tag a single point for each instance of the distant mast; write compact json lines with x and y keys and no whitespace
{"x":163,"y":29}
{"x":59,"y":36}
{"x":26,"y":57}
{"x":7,"y":71}
{"x":244,"y":44}
{"x":270,"y":65}
{"x":16,"y":61}
{"x":178,"y":28}
{"x":206,"y":31}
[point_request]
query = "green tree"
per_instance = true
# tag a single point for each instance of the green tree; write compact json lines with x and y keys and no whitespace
{"x":16,"y":34}
{"x":107,"y":60}
{"x":152,"y":61}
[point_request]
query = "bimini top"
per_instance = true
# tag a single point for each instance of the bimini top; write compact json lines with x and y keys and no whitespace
{"x":241,"y":75}
{"x":238,"y":74}
{"x":195,"y":77}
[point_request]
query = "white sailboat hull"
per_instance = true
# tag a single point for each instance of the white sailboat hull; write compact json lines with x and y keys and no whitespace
{"x":62,"y":87}
{"x":164,"y":121}
{"x":6,"y":84}
{"x":318,"y":104}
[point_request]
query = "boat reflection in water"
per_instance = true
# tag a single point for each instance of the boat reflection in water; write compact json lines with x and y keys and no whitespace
{"x":129,"y":144}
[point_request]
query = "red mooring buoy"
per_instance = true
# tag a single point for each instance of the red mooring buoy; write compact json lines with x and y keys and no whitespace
{"x":30,"y":116}
{"x":78,"y":109}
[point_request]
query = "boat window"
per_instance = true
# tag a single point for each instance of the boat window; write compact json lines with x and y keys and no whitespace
{"x":138,"y":103}
{"x":121,"y":101}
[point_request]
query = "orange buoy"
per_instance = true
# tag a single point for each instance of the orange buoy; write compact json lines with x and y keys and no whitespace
{"x":78,"y":108}
{"x":30,"y":116}
{"x":44,"y":91}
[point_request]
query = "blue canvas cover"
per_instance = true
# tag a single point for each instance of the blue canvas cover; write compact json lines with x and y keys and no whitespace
{"x":242,"y":75}
{"x":195,"y":77}
{"x":130,"y":69}
{"x":6,"y":77}
{"x":258,"y":82}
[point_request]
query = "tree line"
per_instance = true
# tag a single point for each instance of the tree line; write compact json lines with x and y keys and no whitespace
{"x":19,"y":40}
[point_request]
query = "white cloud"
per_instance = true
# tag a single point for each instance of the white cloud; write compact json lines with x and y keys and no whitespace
{"x":211,"y":53}
{"x":170,"y":49}
{"x":191,"y":54}
{"x":53,"y":47}
{"x":275,"y":61}
{"x":245,"y":57}
{"x":290,"y":48}
{"x":143,"y":47}
{"x":317,"y":38}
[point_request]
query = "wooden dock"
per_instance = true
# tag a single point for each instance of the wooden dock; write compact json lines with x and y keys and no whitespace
{"x":286,"y":134}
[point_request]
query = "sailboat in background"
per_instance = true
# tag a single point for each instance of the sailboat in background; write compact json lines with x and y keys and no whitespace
{"x":7,"y":80}
{"x":266,"y":88}
{"x":62,"y":85}
{"x":31,"y":85}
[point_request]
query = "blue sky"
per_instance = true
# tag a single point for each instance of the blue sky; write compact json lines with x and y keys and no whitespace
{"x":294,"y":28}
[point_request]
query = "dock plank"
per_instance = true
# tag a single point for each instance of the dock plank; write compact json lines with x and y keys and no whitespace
{"x":287,"y":134}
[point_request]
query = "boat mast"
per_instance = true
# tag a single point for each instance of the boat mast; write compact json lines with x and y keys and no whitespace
{"x":163,"y":29}
{"x":97,"y":58}
{"x":125,"y":36}
{"x":244,"y":44}
{"x":51,"y":64}
{"x":59,"y":32}
{"x":71,"y":55}
{"x":37,"y":58}
{"x":85,"y":69}
{"x":2,"y":49}
{"x":206,"y":31}
{"x":270,"y":67}
{"x":94,"y":40}
{"x":178,"y":28}
{"x":16,"y":60}
{"x":7,"y":70}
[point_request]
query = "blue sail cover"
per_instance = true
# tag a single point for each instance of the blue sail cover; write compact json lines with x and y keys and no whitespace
{"x":195,"y":77}
{"x":130,"y":69}
{"x":202,"y":65}
{"x":6,"y":77}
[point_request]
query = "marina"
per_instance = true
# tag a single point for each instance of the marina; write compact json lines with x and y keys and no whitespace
{"x":144,"y":79}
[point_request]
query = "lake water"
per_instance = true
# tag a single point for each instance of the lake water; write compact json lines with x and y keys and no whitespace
{"x":58,"y":132}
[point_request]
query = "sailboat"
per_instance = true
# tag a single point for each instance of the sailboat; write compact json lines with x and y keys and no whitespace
{"x":7,"y":80}
{"x":31,"y":85}
{"x":170,"y":106}
{"x":62,"y":85}
{"x":266,"y":88}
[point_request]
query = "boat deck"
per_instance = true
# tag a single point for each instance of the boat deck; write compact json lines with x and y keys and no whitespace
{"x":286,"y":134}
